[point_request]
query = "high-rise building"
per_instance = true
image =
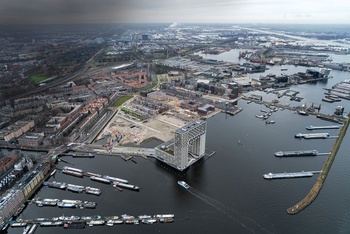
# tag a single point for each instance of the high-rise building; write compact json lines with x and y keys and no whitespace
{"x":186,"y":148}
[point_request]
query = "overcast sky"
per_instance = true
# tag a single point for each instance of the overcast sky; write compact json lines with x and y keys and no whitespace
{"x":168,"y":11}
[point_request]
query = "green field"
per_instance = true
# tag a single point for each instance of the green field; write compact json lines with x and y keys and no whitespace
{"x":39,"y":78}
{"x":121,"y":100}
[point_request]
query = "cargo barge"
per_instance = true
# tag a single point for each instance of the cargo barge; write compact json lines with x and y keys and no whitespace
{"x":286,"y":175}
{"x":296,"y":153}
{"x":127,"y":186}
{"x":115,"y":179}
{"x":312,"y":135}
{"x":73,"y":173}
{"x":99,"y":179}
{"x":310,"y":127}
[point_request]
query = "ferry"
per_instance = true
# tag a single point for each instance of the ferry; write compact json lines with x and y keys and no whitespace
{"x":127,"y":186}
{"x":183,"y":184}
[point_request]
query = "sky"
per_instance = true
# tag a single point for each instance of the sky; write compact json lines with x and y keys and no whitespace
{"x":167,"y":11}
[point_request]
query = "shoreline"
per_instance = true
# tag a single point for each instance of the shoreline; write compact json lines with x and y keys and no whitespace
{"x":315,"y":190}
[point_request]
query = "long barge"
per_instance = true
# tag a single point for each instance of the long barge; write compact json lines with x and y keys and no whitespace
{"x":55,"y":184}
{"x":310,"y":127}
{"x":322,"y":135}
{"x":286,"y":175}
{"x":73,"y":173}
{"x":115,"y":179}
{"x":100,"y":179}
{"x":296,"y":153}
{"x":127,"y":186}
{"x":73,"y":169}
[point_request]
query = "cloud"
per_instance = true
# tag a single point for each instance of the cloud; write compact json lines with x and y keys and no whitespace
{"x":159,"y":11}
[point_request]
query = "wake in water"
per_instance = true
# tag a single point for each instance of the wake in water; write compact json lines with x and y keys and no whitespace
{"x":232,"y":214}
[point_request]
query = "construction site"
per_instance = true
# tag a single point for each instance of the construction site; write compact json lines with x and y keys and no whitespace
{"x":125,"y":128}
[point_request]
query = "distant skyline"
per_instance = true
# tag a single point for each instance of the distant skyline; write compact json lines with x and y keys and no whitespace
{"x":168,"y":11}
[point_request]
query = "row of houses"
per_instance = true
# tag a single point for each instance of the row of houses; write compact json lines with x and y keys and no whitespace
{"x":13,"y":198}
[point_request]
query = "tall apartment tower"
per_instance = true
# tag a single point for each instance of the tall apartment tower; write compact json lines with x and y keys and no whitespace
{"x":186,"y":148}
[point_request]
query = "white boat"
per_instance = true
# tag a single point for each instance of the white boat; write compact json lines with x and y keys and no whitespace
{"x":183,"y":184}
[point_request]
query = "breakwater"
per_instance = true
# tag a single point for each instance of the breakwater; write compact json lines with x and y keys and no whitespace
{"x":311,"y":196}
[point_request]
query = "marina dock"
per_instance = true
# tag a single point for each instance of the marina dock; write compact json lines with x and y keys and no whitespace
{"x":75,"y":222}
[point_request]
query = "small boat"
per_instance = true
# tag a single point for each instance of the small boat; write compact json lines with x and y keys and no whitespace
{"x":66,"y":205}
{"x":149,"y":221}
{"x":166,"y":220}
{"x":74,"y":225}
{"x":95,"y":222}
{"x":90,"y":190}
{"x":19,"y":210}
{"x":183,"y":184}
{"x":53,"y":172}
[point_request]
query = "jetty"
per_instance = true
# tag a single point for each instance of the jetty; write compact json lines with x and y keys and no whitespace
{"x":311,"y":196}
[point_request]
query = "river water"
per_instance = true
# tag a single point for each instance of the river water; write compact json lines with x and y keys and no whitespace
{"x":228,"y":193}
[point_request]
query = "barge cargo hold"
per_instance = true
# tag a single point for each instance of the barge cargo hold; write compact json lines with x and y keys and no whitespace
{"x":296,"y":153}
{"x":286,"y":175}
